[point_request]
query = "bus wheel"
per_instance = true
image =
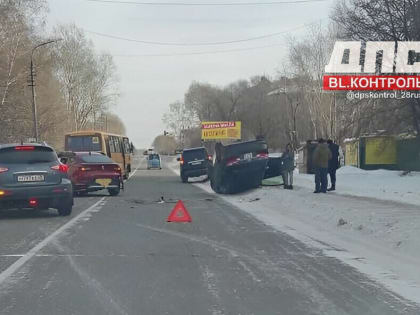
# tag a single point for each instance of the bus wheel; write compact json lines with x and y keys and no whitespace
{"x":114,"y":191}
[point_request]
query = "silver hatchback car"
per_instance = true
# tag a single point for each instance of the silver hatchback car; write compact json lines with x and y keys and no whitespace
{"x":31,"y":176}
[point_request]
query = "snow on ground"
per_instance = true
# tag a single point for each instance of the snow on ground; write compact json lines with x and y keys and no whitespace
{"x":379,"y":212}
{"x":380,"y":184}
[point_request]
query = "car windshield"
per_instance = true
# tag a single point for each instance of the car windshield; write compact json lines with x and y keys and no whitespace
{"x":95,"y":158}
{"x":35,"y":155}
{"x":199,"y":154}
{"x":83,"y":143}
{"x":154,"y":157}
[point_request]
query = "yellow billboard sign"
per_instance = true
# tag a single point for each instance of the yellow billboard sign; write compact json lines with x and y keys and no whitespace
{"x":352,"y":153}
{"x":381,"y":150}
{"x":219,"y":130}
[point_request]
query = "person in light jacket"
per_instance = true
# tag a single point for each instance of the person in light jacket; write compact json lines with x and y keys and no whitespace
{"x":321,"y":156}
{"x":288,"y":161}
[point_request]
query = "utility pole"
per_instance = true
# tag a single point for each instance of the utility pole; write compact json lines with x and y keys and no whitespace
{"x":32,"y":85}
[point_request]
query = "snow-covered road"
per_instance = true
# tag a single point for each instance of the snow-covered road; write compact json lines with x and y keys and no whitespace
{"x":379,"y":215}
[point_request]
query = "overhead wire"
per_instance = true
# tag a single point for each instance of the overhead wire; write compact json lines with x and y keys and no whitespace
{"x":200,"y":44}
{"x":199,"y":52}
{"x":215,"y":51}
{"x":268,"y":3}
{"x":192,"y":44}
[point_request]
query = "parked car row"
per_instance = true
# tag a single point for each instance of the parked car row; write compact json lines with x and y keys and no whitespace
{"x":233,"y":168}
{"x":34,"y":176}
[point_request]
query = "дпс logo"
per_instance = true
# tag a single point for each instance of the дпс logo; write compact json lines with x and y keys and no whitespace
{"x":399,"y":62}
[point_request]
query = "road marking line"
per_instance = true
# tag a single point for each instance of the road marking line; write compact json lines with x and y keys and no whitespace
{"x":33,"y":252}
{"x":134,"y":172}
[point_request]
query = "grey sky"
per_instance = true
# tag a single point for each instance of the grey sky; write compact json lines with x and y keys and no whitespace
{"x":149,"y":84}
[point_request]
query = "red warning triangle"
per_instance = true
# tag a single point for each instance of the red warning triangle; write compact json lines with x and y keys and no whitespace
{"x":179,"y":213}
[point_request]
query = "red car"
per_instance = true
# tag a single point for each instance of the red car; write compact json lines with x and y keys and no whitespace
{"x":92,"y":171}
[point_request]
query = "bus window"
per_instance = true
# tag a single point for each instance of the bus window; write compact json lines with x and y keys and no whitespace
{"x":111,"y":144}
{"x":83,"y":143}
{"x":117,"y":145}
{"x":126,"y":146}
{"x":108,"y":148}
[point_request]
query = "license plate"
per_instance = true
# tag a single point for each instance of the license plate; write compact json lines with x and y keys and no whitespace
{"x":247,"y":156}
{"x":104,"y":181}
{"x":196,"y":162}
{"x":30,"y":178}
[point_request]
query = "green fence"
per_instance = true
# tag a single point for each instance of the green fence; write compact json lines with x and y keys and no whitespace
{"x":384,"y":152}
{"x":409,"y":154}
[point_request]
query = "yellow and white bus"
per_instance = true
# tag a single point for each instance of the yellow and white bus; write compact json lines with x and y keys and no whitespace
{"x":117,"y":147}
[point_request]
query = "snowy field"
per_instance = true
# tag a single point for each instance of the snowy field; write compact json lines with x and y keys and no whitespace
{"x":372,"y":221}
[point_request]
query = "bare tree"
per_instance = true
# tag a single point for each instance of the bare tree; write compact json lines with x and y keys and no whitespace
{"x":88,"y":81}
{"x":165,"y":144}
{"x":17,"y":23}
{"x":180,"y":118}
{"x":383,"y":20}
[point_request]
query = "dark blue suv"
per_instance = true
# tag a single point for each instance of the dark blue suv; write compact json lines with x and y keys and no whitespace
{"x":31,"y":176}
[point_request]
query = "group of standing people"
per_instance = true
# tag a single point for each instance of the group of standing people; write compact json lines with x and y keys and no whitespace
{"x":325,"y":160}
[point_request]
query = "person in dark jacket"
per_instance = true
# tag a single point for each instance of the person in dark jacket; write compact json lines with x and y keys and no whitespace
{"x":288,"y":162}
{"x":334,"y":163}
{"x":320,"y":158}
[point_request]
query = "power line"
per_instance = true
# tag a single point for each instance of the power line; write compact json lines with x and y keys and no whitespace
{"x":201,"y":52}
{"x":197,"y":44}
{"x":208,"y":3}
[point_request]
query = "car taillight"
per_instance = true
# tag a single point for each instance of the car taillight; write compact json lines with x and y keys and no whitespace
{"x":262,"y":155}
{"x":232,"y":161}
{"x":3,"y":169}
{"x":33,"y":202}
{"x":25,"y":148}
{"x":84,"y":169}
{"x":62,"y":168}
{"x":117,"y":169}
{"x":5,"y":193}
{"x":181,"y":160}
{"x":210,"y":157}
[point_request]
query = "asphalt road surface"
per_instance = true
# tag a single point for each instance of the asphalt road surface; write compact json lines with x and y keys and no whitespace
{"x":118,"y":255}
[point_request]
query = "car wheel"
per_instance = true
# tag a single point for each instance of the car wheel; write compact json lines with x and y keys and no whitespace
{"x":215,"y":188}
{"x":227,"y":188}
{"x":184,"y":178}
{"x":65,"y":208}
{"x":114,"y":191}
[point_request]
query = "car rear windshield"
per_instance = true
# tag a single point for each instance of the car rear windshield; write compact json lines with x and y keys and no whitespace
{"x":239,"y":149}
{"x":28,"y":156}
{"x":83,"y":143}
{"x":189,"y":155}
{"x":154,"y":157}
{"x":95,"y":158}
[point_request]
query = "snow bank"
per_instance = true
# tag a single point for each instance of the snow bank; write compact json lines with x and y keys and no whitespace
{"x":379,"y":184}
